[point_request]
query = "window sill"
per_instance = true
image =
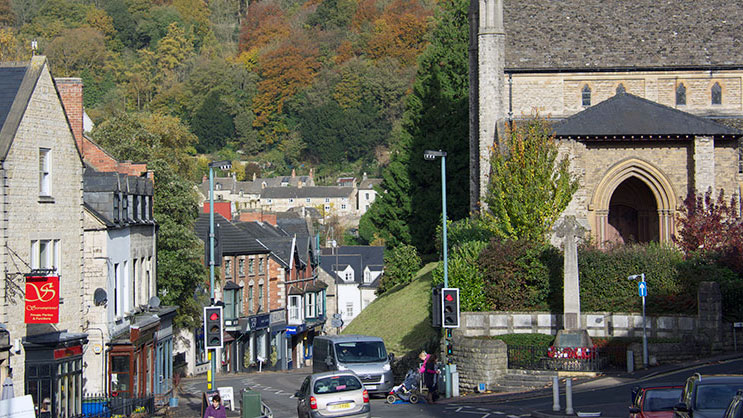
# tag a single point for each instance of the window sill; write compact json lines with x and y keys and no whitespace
{"x":46,"y":199}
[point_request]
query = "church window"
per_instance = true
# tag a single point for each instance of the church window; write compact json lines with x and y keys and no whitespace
{"x":621,"y":89}
{"x":681,"y":94}
{"x":586,"y":96}
{"x":716,"y":94}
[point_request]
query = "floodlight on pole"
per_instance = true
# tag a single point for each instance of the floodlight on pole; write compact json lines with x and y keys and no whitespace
{"x":222,"y":165}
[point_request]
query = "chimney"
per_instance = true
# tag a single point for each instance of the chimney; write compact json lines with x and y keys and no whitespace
{"x":312,"y":172}
{"x":294,"y":173}
{"x":71,"y":92}
{"x":254,"y":176}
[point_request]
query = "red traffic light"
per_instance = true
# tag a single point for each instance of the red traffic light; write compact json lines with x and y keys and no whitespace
{"x":214,"y":316}
{"x":449,"y":297}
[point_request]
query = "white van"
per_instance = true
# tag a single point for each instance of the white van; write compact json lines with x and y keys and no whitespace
{"x":366,"y":356}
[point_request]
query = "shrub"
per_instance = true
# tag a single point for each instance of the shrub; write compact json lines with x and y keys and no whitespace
{"x":517,"y":274}
{"x":400,"y":265}
{"x":464,"y":273}
{"x":604,"y":285}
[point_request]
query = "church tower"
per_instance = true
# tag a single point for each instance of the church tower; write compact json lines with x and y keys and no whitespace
{"x":487,"y":115}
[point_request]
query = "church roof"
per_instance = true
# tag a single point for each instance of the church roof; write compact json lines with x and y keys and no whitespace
{"x":595,"y":34}
{"x":626,"y":116}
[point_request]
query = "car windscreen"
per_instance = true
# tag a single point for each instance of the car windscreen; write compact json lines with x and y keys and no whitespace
{"x":360,"y":352}
{"x":661,"y":399}
{"x":715,"y":396}
{"x":334,"y":384}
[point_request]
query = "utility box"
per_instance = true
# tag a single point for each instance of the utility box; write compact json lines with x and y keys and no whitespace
{"x":250,"y":403}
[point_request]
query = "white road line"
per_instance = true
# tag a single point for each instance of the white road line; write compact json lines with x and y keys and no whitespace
{"x":513,"y":416}
{"x":485,"y":416}
{"x":499,"y":413}
{"x":279,"y":392}
{"x":459,"y":409}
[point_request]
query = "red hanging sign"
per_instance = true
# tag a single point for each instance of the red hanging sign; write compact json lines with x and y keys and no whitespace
{"x":42,"y":300}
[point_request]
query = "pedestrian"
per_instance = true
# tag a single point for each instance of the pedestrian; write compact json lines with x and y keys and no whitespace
{"x":430,"y":378}
{"x":423,"y":356}
{"x":215,"y":410}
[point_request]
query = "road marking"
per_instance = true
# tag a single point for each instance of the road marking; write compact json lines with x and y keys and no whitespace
{"x":279,"y":392}
{"x":513,"y":416}
{"x":459,"y":409}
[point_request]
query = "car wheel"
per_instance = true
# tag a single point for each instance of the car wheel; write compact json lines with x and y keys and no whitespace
{"x":413,"y":398}
{"x":391,"y":398}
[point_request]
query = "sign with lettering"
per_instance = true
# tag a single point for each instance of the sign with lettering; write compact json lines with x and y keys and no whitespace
{"x":42,"y":300}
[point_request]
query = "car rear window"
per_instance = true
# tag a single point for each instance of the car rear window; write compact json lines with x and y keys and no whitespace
{"x":662,"y":399}
{"x":716,"y":396}
{"x":334,"y":384}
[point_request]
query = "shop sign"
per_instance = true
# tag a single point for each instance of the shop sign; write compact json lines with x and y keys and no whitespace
{"x":76,"y":350}
{"x":296,"y":329}
{"x":278,"y":317}
{"x":259,"y":322}
{"x":42,"y":300}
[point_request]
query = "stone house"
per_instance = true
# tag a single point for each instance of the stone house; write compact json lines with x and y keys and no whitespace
{"x":366,"y":194}
{"x":329,"y":200}
{"x":41,"y":223}
{"x":352,"y":274}
{"x":247,"y":194}
{"x":669,"y":59}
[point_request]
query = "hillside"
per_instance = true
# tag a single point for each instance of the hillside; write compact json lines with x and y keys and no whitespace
{"x":401,"y":316}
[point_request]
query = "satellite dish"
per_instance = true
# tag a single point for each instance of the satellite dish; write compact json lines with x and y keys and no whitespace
{"x":154,"y":302}
{"x":99,"y":297}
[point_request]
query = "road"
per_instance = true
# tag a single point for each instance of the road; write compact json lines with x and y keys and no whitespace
{"x":608,"y":395}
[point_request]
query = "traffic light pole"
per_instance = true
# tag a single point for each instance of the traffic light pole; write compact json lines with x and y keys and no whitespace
{"x":211,"y":353}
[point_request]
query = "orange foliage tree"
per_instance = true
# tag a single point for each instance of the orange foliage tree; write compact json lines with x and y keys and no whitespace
{"x":284,"y":70}
{"x":265,"y":23}
{"x":400,"y":32}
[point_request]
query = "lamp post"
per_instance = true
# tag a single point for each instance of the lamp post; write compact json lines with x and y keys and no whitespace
{"x":431,"y":155}
{"x":222,"y":165}
{"x":642,"y":289}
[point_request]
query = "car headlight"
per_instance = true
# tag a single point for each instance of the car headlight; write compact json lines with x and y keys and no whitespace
{"x":386,"y":367}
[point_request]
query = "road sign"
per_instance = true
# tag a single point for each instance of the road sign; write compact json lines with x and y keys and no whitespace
{"x":642,"y":288}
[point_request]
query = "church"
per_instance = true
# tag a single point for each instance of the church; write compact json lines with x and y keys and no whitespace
{"x":645,"y":97}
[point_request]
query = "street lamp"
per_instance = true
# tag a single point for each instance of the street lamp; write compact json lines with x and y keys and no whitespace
{"x":642,"y":289}
{"x":222,"y":165}
{"x":431,"y":155}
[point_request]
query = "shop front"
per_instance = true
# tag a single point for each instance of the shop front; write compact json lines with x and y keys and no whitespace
{"x":259,"y":340}
{"x":277,"y":326}
{"x":131,"y":360}
{"x":296,"y":336}
{"x":164,"y":354}
{"x":54,"y":371}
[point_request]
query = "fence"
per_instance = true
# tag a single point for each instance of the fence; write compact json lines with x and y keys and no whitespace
{"x":106,"y":405}
{"x":585,"y":359}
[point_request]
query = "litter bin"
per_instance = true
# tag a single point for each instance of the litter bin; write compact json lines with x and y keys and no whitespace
{"x":250,"y":403}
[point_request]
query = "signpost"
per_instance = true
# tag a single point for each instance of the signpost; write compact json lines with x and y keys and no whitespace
{"x":642,"y":290}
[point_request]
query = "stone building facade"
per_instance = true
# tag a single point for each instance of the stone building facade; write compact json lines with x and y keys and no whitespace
{"x":41,"y":226}
{"x":524,"y":61}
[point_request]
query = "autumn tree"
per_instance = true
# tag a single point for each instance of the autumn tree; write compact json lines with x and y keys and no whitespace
{"x":529,"y":186}
{"x":265,"y":23}
{"x":400,"y":31}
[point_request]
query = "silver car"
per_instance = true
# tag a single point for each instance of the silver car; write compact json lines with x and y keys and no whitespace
{"x":333,"y":394}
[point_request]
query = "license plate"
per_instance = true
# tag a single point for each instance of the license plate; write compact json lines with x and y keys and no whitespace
{"x":370,"y":387}
{"x":339,"y":406}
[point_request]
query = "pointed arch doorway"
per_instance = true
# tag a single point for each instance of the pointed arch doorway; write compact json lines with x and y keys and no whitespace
{"x":634,"y":202}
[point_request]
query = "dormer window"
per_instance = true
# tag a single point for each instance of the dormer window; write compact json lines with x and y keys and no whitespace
{"x":586,"y":96}
{"x":217,"y":186}
{"x":116,"y":204}
{"x":716,"y":93}
{"x":681,"y":95}
{"x":135,"y":208}
{"x":125,"y":208}
{"x":349,"y":276}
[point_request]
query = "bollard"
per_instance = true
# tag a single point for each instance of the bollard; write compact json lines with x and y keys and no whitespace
{"x":630,"y":361}
{"x":555,"y":394}
{"x":568,"y":396}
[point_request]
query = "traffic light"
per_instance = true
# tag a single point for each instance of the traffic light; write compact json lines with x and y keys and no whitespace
{"x":450,"y":307}
{"x":213,"y":325}
{"x":436,"y":306}
{"x":449,"y":349}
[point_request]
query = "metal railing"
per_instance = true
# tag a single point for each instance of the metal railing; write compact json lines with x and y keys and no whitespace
{"x":107,"y":405}
{"x":587,"y":359}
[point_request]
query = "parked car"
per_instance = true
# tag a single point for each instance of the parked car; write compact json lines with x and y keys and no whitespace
{"x":735,"y":407}
{"x":654,"y":401}
{"x":333,"y":394}
{"x":707,"y":396}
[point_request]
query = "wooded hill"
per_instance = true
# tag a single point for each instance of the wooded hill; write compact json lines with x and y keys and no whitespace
{"x":286,"y":83}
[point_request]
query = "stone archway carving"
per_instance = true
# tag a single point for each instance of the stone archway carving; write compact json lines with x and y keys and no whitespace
{"x":652,"y":177}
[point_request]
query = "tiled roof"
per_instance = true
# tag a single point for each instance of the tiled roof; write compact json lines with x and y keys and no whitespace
{"x":17,"y":84}
{"x":631,"y":116}
{"x":358,"y":257}
{"x":305,"y":192}
{"x":368,"y":184}
{"x":234,"y":240}
{"x":586,"y":34}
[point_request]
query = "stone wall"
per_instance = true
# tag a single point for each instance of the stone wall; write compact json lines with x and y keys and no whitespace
{"x":479,"y":360}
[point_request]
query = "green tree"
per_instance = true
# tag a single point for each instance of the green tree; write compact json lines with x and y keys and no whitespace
{"x":529,"y":188}
{"x":400,"y":265}
{"x":213,"y":124}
